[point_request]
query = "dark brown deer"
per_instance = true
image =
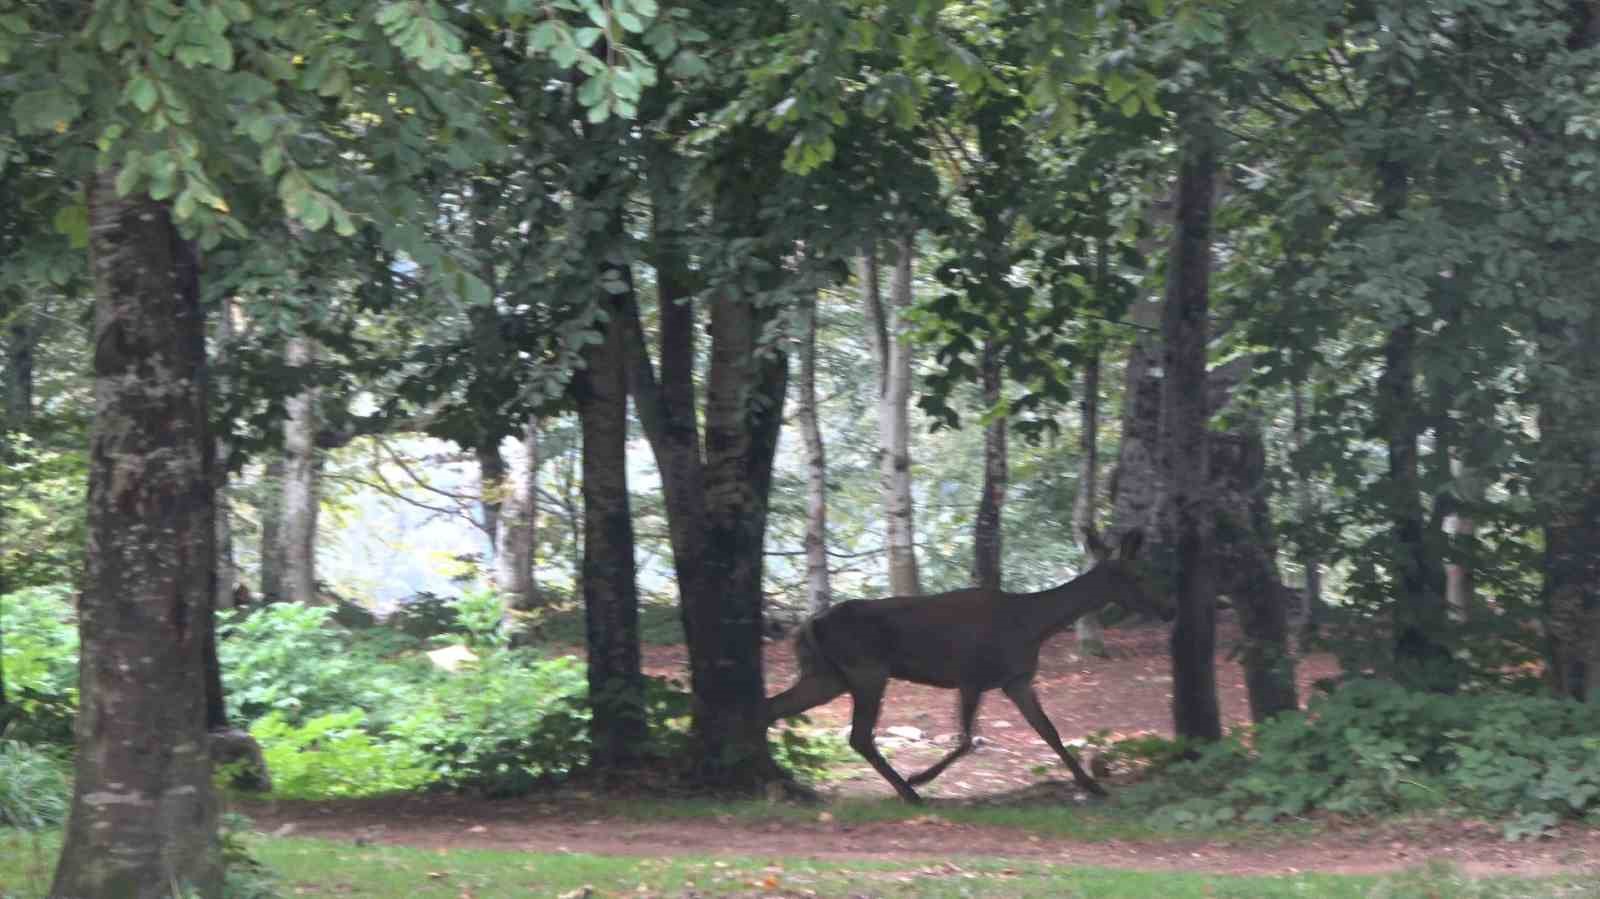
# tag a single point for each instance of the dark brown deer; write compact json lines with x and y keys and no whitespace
{"x":970,"y":640}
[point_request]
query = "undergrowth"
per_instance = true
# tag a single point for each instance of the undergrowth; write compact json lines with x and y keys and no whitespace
{"x":1371,"y":747}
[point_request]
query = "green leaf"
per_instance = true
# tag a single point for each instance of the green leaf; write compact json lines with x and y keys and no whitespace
{"x":73,"y":221}
{"x":142,"y":93}
{"x":50,"y":109}
{"x":586,"y":37}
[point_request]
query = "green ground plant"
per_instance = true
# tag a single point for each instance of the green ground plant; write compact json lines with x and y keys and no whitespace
{"x":1371,"y":747}
{"x":35,"y":786}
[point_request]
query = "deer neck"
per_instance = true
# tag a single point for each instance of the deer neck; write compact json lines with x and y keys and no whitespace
{"x":1057,"y":608}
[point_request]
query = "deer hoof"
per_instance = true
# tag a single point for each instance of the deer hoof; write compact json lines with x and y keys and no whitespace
{"x":911,"y":797}
{"x":1093,"y":788}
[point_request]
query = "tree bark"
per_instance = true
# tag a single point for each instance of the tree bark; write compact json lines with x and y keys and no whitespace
{"x":227,"y":570}
{"x":1184,"y":435}
{"x":1419,"y":615}
{"x":519,"y":527}
{"x":144,"y":816}
{"x":298,"y":532}
{"x":716,"y":497}
{"x":987,"y":540}
{"x":819,"y":594}
{"x":19,"y":365}
{"x":491,"y":490}
{"x":1305,"y":500}
{"x":893,"y":353}
{"x":1089,"y":631}
{"x":272,"y":566}
{"x":1247,"y":569}
{"x":610,"y":595}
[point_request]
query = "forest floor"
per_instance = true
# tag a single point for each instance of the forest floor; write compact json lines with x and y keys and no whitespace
{"x":1126,"y":694}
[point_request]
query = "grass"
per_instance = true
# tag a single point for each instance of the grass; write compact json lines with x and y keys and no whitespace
{"x":307,"y":867}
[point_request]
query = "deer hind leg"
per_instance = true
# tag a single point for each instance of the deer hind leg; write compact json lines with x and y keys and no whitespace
{"x":867,"y":694}
{"x":969,"y":712}
{"x":1021,"y":693}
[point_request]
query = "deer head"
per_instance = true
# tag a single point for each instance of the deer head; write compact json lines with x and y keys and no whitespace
{"x":1124,"y":577}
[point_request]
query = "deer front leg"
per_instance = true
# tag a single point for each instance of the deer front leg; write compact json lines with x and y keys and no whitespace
{"x":969,"y":711}
{"x":1021,"y":693}
{"x":868,"y":700}
{"x":811,"y":690}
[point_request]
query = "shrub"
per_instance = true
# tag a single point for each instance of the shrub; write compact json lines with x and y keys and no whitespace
{"x":332,"y":756}
{"x":287,"y":658}
{"x":35,"y":787}
{"x":41,"y":663}
{"x":1372,"y":746}
{"x":500,"y":726}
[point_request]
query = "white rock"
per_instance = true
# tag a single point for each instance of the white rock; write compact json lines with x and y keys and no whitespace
{"x":904,"y":732}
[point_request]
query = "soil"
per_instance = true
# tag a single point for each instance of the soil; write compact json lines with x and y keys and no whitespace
{"x":1125,"y":695}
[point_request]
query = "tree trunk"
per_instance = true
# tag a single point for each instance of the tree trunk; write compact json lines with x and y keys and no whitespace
{"x":519,"y":527}
{"x":19,"y":365}
{"x":144,"y":816}
{"x":1419,"y":619}
{"x":227,"y":570}
{"x":298,"y":532}
{"x":1247,"y":570}
{"x":716,"y":502}
{"x":1569,"y":469}
{"x":272,"y":565}
{"x":1090,"y":632}
{"x":610,"y":595}
{"x":892,"y":348}
{"x":1184,"y":432}
{"x":819,"y":594}
{"x":987,"y":538}
{"x":491,"y":490}
{"x":1310,"y":560}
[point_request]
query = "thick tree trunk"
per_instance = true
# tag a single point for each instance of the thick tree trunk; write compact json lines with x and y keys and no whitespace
{"x":519,"y":527}
{"x":144,"y":816}
{"x":1090,"y":632}
{"x":491,"y":490}
{"x":819,"y":595}
{"x":227,"y":570}
{"x":610,"y":595}
{"x":1419,"y":612}
{"x":1247,"y":570}
{"x":298,"y":531}
{"x":892,"y":347}
{"x":987,"y":538}
{"x":716,"y":502}
{"x":1184,"y":436}
{"x":272,"y":586}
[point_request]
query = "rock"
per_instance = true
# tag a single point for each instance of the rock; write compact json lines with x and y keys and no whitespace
{"x":238,"y":750}
{"x":451,"y":658}
{"x":905,"y":733}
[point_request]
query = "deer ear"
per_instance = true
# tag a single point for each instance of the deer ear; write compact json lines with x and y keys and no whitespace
{"x":1097,"y":548}
{"x":1131,"y":542}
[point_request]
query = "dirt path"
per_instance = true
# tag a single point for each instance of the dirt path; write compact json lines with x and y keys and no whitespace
{"x":1126,"y":694}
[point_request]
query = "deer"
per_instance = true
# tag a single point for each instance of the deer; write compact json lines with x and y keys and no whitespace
{"x":971,"y":640}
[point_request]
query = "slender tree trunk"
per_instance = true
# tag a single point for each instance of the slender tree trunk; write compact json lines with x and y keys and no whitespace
{"x":893,"y":352}
{"x":491,"y":490}
{"x":519,"y":527}
{"x":1419,"y":618}
{"x":227,"y":570}
{"x":610,"y":595}
{"x":1460,"y":585}
{"x":1305,"y":500}
{"x":272,"y":565}
{"x":298,"y":531}
{"x":144,"y":816}
{"x":1090,"y":632}
{"x":987,"y":544}
{"x":20,"y":344}
{"x":819,"y":594}
{"x":1184,"y":432}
